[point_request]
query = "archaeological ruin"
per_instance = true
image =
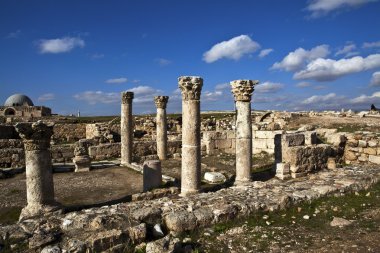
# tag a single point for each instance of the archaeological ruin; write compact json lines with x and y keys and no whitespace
{"x":154,"y":177}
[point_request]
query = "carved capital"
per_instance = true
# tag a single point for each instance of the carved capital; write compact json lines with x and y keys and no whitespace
{"x":243,"y":89}
{"x":127,"y":97}
{"x":36,"y":136}
{"x":191,"y":87}
{"x":161,"y":101}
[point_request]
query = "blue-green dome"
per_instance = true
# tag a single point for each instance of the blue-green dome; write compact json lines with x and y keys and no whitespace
{"x":18,"y":100}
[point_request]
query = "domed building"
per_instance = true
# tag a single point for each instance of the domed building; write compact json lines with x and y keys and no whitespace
{"x":19,"y":105}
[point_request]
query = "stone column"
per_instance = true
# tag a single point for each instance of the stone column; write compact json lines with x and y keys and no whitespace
{"x":152,"y":175}
{"x":191,"y":87}
{"x":161,"y":126}
{"x":242,"y":91}
{"x":126,"y":128}
{"x":39,"y":176}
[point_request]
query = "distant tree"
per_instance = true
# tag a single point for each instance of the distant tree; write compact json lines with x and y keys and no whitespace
{"x":373,"y":107}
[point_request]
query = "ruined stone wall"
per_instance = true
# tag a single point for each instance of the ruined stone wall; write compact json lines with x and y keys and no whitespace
{"x":12,"y":153}
{"x":224,"y":141}
{"x":362,"y":147}
{"x":8,"y":132}
{"x":68,"y":132}
{"x":140,"y":149}
{"x":62,"y":153}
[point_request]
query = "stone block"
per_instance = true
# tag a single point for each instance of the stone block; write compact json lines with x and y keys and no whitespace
{"x":369,"y":151}
{"x":372,"y":144}
{"x":259,"y":143}
{"x":374,"y":159}
{"x":282,"y":168}
{"x":222,"y":144}
{"x":152,"y":175}
{"x":298,"y":175}
{"x":214,"y":177}
{"x":363,"y":158}
{"x":311,"y":138}
{"x":362,"y":144}
{"x":331,"y":164}
{"x":292,"y":140}
{"x":350,"y":156}
{"x":336,"y":139}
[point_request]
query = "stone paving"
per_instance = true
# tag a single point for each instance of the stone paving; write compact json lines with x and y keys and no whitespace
{"x":130,"y":223}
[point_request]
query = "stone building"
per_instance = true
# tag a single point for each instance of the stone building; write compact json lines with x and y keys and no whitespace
{"x":19,"y":105}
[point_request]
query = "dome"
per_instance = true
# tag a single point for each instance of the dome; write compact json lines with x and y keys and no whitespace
{"x":18,"y":100}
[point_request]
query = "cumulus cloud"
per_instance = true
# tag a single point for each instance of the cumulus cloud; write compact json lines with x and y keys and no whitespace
{"x":162,"y":62}
{"x":297,"y":59}
{"x":95,"y":97}
{"x":375,"y":80}
{"x":367,"y":100}
{"x":144,"y":94}
{"x":62,"y":45}
{"x":46,"y":97}
{"x":234,"y":49}
{"x":347,"y":50}
{"x":117,"y":80}
{"x":322,"y":99}
{"x":222,"y":86}
{"x":322,"y":7}
{"x":303,"y":84}
{"x":329,"y":69}
{"x":371,"y":44}
{"x":268,"y":87}
{"x":265,"y":52}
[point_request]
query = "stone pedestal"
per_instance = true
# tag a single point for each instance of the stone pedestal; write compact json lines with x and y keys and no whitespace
{"x":152,"y":175}
{"x":242,"y":91}
{"x":191,"y":135}
{"x":39,"y":176}
{"x":126,"y":128}
{"x":82,"y":160}
{"x":161,"y":126}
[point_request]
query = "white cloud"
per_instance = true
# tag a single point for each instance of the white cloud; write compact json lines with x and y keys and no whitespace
{"x":268,"y":87}
{"x":222,"y":86}
{"x":265,"y":52}
{"x":322,"y":7}
{"x":319,"y":87}
{"x":144,"y":94}
{"x":46,"y":97}
{"x":14,"y":35}
{"x":234,"y":48}
{"x":297,"y":59}
{"x":95,"y":97}
{"x":375,"y":80}
{"x":63,"y":45}
{"x":367,"y":100}
{"x":303,"y":84}
{"x":211,"y":95}
{"x":320,"y":99}
{"x":97,"y":56}
{"x":117,"y":80}
{"x":347,"y":50}
{"x":163,"y":62}
{"x":371,"y":44}
{"x":328,"y":69}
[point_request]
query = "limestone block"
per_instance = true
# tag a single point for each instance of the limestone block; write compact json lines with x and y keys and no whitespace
{"x":214,"y":177}
{"x":231,"y":135}
{"x":350,"y":156}
{"x":331,"y":164}
{"x":363,"y":158}
{"x":259,"y":143}
{"x":352,"y":143}
{"x":353,"y":149}
{"x":310,"y":138}
{"x":378,"y":151}
{"x":292,"y":140}
{"x":374,"y":159}
{"x":152,"y":174}
{"x":282,"y":168}
{"x":336,"y":139}
{"x":82,"y":163}
{"x":372,"y":144}
{"x":222,"y":144}
{"x":370,"y":151}
{"x":362,"y":144}
{"x":298,"y":175}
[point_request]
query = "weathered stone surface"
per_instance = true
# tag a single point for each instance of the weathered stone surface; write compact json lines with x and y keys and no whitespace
{"x":340,"y":222}
{"x":152,"y":175}
{"x":374,"y":159}
{"x":214,"y":177}
{"x":126,"y":127}
{"x":168,"y":244}
{"x":161,"y":126}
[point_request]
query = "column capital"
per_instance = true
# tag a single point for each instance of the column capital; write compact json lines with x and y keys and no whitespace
{"x":36,"y":136}
{"x":161,"y":101}
{"x":127,"y":97}
{"x":243,"y":89}
{"x":191,"y":87}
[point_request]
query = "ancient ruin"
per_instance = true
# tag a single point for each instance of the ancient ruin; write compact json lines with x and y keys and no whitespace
{"x":161,"y":122}
{"x":191,"y":87}
{"x":126,"y":127}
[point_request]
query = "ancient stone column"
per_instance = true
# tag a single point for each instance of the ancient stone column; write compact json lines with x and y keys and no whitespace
{"x":161,"y":126}
{"x":152,"y":175}
{"x":39,"y":176}
{"x":242,"y":91}
{"x":126,"y":128}
{"x":191,"y":87}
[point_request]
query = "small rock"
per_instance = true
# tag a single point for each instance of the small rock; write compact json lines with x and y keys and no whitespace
{"x":214,"y":177}
{"x":265,"y":217}
{"x":157,"y":231}
{"x":368,"y":194}
{"x":51,"y":249}
{"x":339,"y":222}
{"x":306,"y":217}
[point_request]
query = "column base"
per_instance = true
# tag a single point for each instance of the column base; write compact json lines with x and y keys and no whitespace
{"x":186,"y":193}
{"x":31,"y":211}
{"x":242,"y":182}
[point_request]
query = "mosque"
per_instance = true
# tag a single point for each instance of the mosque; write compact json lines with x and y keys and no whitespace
{"x":19,"y":105}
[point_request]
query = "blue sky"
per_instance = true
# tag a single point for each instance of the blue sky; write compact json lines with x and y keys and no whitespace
{"x":70,"y":55}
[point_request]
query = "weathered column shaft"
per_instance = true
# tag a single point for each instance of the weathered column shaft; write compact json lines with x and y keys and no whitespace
{"x":191,"y":141}
{"x":39,"y":176}
{"x":161,"y":126}
{"x":126,"y":127}
{"x":242,"y":90}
